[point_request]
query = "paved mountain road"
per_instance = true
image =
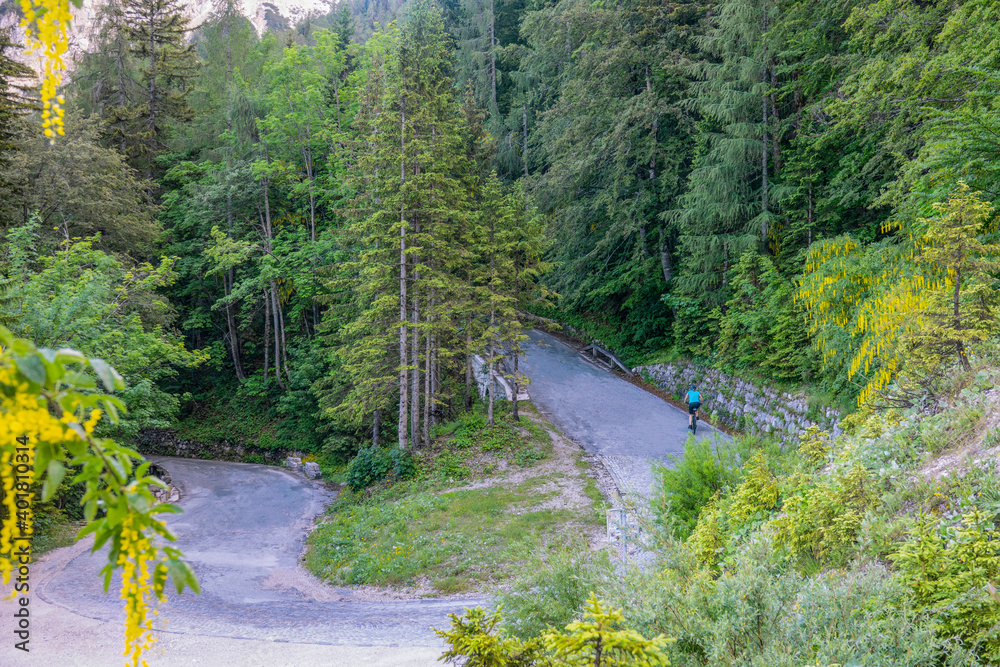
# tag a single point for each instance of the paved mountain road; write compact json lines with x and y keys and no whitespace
{"x":243,"y":531}
{"x":628,"y":428}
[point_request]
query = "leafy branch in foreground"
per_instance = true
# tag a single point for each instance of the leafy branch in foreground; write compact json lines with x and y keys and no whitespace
{"x":477,"y":639}
{"x":49,"y":408}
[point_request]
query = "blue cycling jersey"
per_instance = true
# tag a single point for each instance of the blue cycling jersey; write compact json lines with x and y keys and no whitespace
{"x":694,"y":397}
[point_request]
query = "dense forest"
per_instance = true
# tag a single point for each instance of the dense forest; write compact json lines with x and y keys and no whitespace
{"x":314,"y":239}
{"x":315,"y":229}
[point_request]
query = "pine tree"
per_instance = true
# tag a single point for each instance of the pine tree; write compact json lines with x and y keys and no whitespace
{"x":411,"y":221}
{"x":729,"y":204}
{"x":109,"y":76}
{"x":157,"y":31}
{"x":963,"y":310}
{"x":13,"y":98}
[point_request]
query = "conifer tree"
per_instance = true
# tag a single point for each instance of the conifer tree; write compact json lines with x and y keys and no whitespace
{"x":13,"y":98}
{"x":729,"y":204}
{"x":412,"y":178}
{"x":157,"y":33}
{"x":963,"y":309}
{"x":109,"y":76}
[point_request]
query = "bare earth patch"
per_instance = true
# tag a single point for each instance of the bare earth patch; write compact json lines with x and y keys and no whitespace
{"x":978,"y":452}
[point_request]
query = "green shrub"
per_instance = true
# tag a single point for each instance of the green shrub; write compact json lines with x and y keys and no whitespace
{"x":683,"y":490}
{"x":814,"y":446}
{"x":528,"y":456}
{"x":600,"y":639}
{"x":477,"y":640}
{"x":597,"y":640}
{"x":553,"y":589}
{"x":821,"y":517}
{"x":372,"y":465}
{"x":449,"y":466}
{"x":950,"y":569}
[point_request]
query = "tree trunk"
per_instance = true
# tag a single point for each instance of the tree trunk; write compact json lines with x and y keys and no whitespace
{"x":666,"y":263}
{"x":515,"y":348}
{"x":517,"y":387}
{"x":524,"y":136}
{"x":492,"y":385}
{"x":267,"y":336}
{"x":277,"y":335}
{"x":284,"y":341}
{"x":468,"y":365}
{"x":311,"y":176}
{"x":427,"y":383}
{"x":234,"y":343}
{"x":415,"y":354}
{"x":763,"y":175}
{"x":435,"y":383}
{"x":230,"y":319}
{"x":489,"y":390}
{"x":402,"y":283}
{"x":376,"y":426}
{"x":956,"y":299}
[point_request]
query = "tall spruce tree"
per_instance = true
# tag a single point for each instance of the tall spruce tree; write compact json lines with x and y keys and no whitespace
{"x":14,"y":101}
{"x":729,"y":205}
{"x":157,"y":34}
{"x":411,"y":175}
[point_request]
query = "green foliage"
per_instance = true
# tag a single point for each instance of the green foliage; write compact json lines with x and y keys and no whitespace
{"x":598,"y":639}
{"x":821,"y":520}
{"x":553,"y":589}
{"x":457,"y":540}
{"x":76,"y":188}
{"x":34,"y":384}
{"x":951,"y":569}
{"x":90,"y":300}
{"x":372,"y":465}
{"x":477,"y":640}
{"x":963,"y":309}
{"x":761,"y":332}
{"x":704,"y":470}
{"x":814,"y":446}
{"x":944,"y":431}
{"x":13,"y":101}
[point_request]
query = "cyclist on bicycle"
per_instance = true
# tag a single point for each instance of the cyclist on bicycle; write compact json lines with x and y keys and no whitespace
{"x":694,"y":402}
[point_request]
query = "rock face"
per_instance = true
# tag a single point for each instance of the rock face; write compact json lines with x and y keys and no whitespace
{"x":166,"y":442}
{"x":263,"y":14}
{"x":741,"y":404}
{"x":293,"y":463}
{"x":311,"y":470}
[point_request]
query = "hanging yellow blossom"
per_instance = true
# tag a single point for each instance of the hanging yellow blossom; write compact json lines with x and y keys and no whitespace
{"x":35,"y":386}
{"x":45,"y":24}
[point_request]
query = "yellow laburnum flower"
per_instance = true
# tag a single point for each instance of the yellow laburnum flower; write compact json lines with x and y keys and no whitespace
{"x":45,"y":24}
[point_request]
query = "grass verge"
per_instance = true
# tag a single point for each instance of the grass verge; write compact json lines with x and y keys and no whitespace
{"x":523,"y":492}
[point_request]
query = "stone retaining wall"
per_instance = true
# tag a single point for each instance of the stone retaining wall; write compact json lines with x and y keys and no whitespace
{"x":741,"y":404}
{"x":166,"y":442}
